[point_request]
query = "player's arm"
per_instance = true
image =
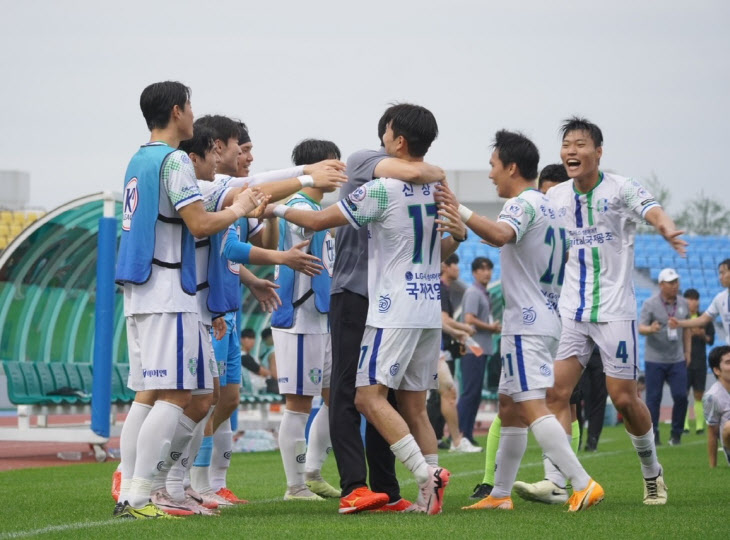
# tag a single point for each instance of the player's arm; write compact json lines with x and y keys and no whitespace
{"x":687,"y":337}
{"x":269,"y":236}
{"x":713,"y":433}
{"x":417,"y":172}
{"x":450,"y":222}
{"x":324,"y":178}
{"x":702,"y":320}
{"x":473,"y":320}
{"x":459,"y":331}
{"x":315,"y":220}
{"x":202,"y":223}
{"x":660,"y":220}
{"x":263,"y":290}
{"x":244,"y":253}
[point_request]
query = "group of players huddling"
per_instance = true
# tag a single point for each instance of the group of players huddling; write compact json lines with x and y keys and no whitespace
{"x":187,"y":233}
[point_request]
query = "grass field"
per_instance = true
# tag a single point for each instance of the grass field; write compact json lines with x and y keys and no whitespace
{"x":75,"y":502}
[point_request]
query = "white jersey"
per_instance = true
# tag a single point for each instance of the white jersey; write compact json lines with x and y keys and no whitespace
{"x":716,"y":404}
{"x":404,"y":252}
{"x":162,"y":292}
{"x":720,"y":307}
{"x":602,"y":225}
{"x":215,"y":192}
{"x":533,"y":266}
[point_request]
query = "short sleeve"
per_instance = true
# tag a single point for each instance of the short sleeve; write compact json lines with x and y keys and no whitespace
{"x":645,"y":316}
{"x":366,"y":204}
{"x":178,"y":179}
{"x":714,"y":309}
{"x":213,"y":193}
{"x":519,"y":214}
{"x":637,"y":199}
{"x":471,"y":302}
{"x":709,"y":405}
{"x":361,"y":165}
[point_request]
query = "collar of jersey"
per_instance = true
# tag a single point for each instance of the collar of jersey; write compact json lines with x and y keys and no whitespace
{"x":600,"y":179}
{"x":308,"y":197}
{"x":156,"y":143}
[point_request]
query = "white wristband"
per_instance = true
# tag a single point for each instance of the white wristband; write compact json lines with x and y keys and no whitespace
{"x":465,"y":213}
{"x":306,"y":180}
{"x":281,"y":209}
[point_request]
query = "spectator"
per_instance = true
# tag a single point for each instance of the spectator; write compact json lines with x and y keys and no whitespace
{"x":697,"y":370}
{"x":594,"y":393}
{"x":248,"y":340}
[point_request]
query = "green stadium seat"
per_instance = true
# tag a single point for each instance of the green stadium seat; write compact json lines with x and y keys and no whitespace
{"x":123,"y":371}
{"x":74,"y":380}
{"x":33,"y":384}
{"x":120,"y":392}
{"x":87,"y":377}
{"x":60,"y":378}
{"x":17,"y":392}
{"x":48,"y":384}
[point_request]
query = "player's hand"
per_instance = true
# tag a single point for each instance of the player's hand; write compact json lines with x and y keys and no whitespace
{"x":445,"y":195}
{"x":497,"y":328}
{"x":247,"y":202}
{"x":269,"y":212}
{"x":450,"y":221}
{"x":672,"y":323}
{"x":678,"y":244}
{"x":460,"y":335}
{"x":219,"y":328}
{"x":265,"y":292}
{"x":298,"y":260}
{"x":335,"y":164}
{"x":328,"y":179}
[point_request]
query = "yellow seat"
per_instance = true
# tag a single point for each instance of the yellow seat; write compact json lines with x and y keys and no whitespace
{"x":6,"y":216}
{"x":30,"y":217}
{"x":19,"y":216}
{"x":16,"y":229}
{"x":3,"y":242}
{"x":4,"y":229}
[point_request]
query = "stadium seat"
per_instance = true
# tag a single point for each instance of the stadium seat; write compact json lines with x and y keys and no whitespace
{"x":120,"y":392}
{"x":87,"y":377}
{"x":6,"y":216}
{"x":48,"y":384}
{"x":33,"y":384}
{"x":5,"y":229}
{"x":4,"y":242}
{"x":15,"y":229}
{"x":18,"y":393}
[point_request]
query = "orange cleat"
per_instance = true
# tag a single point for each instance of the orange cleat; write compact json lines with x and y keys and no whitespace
{"x":401,"y":505}
{"x":362,"y":499}
{"x":228,"y":495}
{"x":116,"y":484}
{"x":590,"y":496}
{"x":489,"y":502}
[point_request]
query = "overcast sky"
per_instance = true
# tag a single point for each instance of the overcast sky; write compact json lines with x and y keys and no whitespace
{"x":655,"y":76}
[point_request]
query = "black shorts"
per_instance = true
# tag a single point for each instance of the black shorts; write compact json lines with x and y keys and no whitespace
{"x":576,"y":396}
{"x":696,"y":378}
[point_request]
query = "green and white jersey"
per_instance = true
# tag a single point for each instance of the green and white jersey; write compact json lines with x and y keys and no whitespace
{"x":533,"y":266}
{"x":602,"y":224}
{"x":404,"y":252}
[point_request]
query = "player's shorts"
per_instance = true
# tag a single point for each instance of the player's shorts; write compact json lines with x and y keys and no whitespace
{"x":616,"y":340}
{"x":696,"y":379}
{"x":228,"y":353}
{"x":399,"y":358}
{"x":303,"y":362}
{"x":527,"y":366}
{"x":446,"y":380}
{"x":166,"y":352}
{"x":208,"y":360}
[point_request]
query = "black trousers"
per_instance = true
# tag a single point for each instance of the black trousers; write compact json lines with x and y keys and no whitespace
{"x":348,"y":313}
{"x":593,"y":389}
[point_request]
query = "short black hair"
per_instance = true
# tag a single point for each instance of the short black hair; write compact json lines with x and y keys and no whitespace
{"x":553,"y":173}
{"x":243,"y":135}
{"x":248,"y":333}
{"x":481,"y":262}
{"x":451,"y":259}
{"x":715,"y":357}
{"x":266,"y":333}
{"x":416,"y":124}
{"x":313,"y":150}
{"x":202,"y":142}
{"x":725,"y":263}
{"x":576,"y":123}
{"x":158,"y":100}
{"x":224,"y":128}
{"x":515,"y":148}
{"x":692,"y":294}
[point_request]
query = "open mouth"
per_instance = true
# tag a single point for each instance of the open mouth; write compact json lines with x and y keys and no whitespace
{"x":572,"y":163}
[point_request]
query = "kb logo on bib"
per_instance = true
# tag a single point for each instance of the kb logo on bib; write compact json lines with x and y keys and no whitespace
{"x":131,"y":198}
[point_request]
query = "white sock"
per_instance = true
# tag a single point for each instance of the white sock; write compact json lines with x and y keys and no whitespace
{"x":128,"y":445}
{"x":407,"y":452}
{"x":432,"y":460}
{"x":552,"y":439}
{"x":220,"y":460}
{"x":291,"y":445}
{"x":153,"y":445}
{"x":551,"y":471}
{"x":178,"y":448}
{"x":646,"y":450}
{"x":512,"y":445}
{"x":319,"y":444}
{"x":179,"y":477}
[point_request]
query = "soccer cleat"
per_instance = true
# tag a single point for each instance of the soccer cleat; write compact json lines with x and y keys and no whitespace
{"x":301,"y":493}
{"x":489,"y":502}
{"x":655,"y":490}
{"x":584,"y":499}
{"x":118,"y":509}
{"x":401,"y":505}
{"x":116,"y":484}
{"x":543,"y":491}
{"x":198,"y":498}
{"x":162,"y":500}
{"x":323,"y":489}
{"x":362,"y":499}
{"x":148,"y":511}
{"x":192,"y":504}
{"x":675,"y":441}
{"x":228,"y":495}
{"x":481,"y":491}
{"x":465,"y":447}
{"x":211,"y":498}
{"x":432,"y":491}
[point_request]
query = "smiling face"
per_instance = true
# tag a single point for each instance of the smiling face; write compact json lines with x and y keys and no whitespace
{"x":245,"y":158}
{"x":500,"y":175}
{"x":228,"y":153}
{"x":205,"y":167}
{"x":580,"y":155}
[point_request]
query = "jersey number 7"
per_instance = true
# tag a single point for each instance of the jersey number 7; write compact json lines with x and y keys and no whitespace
{"x":415,"y":212}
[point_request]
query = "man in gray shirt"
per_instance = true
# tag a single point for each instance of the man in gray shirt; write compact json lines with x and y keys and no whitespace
{"x":477,"y":310}
{"x":668,"y":352}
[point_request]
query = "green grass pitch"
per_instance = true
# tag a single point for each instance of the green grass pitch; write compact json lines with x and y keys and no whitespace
{"x":75,"y":502}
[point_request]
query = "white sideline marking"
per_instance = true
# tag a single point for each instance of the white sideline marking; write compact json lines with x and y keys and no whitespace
{"x":67,"y":527}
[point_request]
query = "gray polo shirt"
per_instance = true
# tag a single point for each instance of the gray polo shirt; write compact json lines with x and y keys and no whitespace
{"x":659,"y":348}
{"x":351,"y":264}
{"x":476,"y":302}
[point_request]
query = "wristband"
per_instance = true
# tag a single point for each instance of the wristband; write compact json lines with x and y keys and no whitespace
{"x":465,"y":213}
{"x":306,"y":180}
{"x":237,"y":210}
{"x":466,"y":234}
{"x":280,"y":210}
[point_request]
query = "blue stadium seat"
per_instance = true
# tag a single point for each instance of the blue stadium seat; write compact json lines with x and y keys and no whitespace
{"x":654,"y":272}
{"x":654,"y":261}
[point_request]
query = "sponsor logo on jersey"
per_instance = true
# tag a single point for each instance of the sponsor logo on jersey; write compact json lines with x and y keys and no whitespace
{"x":562,"y":211}
{"x":131,"y":199}
{"x":184,"y":158}
{"x":315,"y":375}
{"x":545,"y":370}
{"x":154,"y":373}
{"x":384,"y":303}
{"x":328,"y":253}
{"x":302,"y":458}
{"x":515,"y":210}
{"x":193,"y":366}
{"x":359,"y":194}
{"x":283,"y":379}
{"x":394,"y":369}
{"x":602,"y":205}
{"x":529,"y":316}
{"x":409,"y":276}
{"x":175,"y":455}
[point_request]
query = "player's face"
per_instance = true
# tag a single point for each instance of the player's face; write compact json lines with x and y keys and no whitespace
{"x":499,"y":175}
{"x":669,"y":289}
{"x":694,"y":305}
{"x":724,"y":273}
{"x":205,"y":168}
{"x":547,"y":184}
{"x":723,"y":371}
{"x":580,"y":155}
{"x":247,"y":343}
{"x":245,"y":158}
{"x":483,"y":275}
{"x":228,"y":153}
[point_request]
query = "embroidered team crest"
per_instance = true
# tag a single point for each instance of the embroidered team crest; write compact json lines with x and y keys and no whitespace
{"x":131,"y":199}
{"x":545,"y":370}
{"x":529,"y":316}
{"x":315,"y":375}
{"x":384,"y":303}
{"x":359,"y":194}
{"x":602,"y":205}
{"x":193,"y":366}
{"x":394,"y":369}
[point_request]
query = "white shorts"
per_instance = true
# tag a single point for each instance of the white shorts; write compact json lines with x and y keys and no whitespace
{"x":166,"y":352}
{"x":303,"y":362}
{"x":527,"y":366}
{"x":616,"y":340}
{"x":399,"y":358}
{"x":206,"y":344}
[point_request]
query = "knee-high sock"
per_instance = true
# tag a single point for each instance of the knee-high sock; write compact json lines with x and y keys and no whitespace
{"x":512,"y":445}
{"x":200,"y":473}
{"x":221,"y":457}
{"x":128,"y":444}
{"x":175,"y":478}
{"x":180,"y":441}
{"x":646,"y":450}
{"x":551,"y":437}
{"x":551,"y":471}
{"x":491,"y":451}
{"x":407,"y":452}
{"x":153,"y":445}
{"x":699,"y":416}
{"x":575,"y":437}
{"x":292,"y":445}
{"x":319,"y":443}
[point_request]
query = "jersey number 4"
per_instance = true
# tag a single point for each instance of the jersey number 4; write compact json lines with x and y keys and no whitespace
{"x":415,"y":212}
{"x":549,"y":276}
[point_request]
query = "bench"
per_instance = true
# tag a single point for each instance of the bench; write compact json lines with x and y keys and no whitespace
{"x":256,"y":409}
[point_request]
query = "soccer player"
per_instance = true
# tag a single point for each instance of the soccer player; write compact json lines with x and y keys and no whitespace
{"x":156,"y":266}
{"x":531,"y":235}
{"x":551,"y":176}
{"x":716,"y":402}
{"x":300,"y":328}
{"x":400,"y":345}
{"x":598,"y":304}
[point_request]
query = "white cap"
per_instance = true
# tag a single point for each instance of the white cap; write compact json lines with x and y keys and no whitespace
{"x":668,"y":274}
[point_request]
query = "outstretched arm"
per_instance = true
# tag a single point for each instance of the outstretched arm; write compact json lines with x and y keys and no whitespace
{"x":660,"y":220}
{"x":418,"y":172}
{"x":314,"y":220}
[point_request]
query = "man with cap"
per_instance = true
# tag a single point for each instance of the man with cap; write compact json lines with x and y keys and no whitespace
{"x":668,"y":351}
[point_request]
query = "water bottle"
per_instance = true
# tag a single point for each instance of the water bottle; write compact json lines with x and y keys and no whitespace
{"x":473,"y":346}
{"x":69,"y":456}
